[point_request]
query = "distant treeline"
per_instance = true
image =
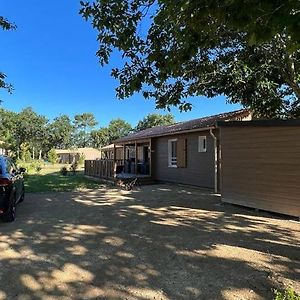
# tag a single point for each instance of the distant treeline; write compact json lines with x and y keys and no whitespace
{"x":28,"y":135}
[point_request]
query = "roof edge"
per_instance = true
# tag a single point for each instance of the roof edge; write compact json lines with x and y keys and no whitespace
{"x":226,"y":115}
{"x":258,"y":123}
{"x":166,"y":134}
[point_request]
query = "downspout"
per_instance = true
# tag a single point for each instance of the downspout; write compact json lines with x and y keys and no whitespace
{"x":215,"y":160}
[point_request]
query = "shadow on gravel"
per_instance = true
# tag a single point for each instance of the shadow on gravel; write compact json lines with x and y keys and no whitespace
{"x":162,"y":242}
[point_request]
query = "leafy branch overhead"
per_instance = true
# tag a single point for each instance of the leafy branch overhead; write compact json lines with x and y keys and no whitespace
{"x":172,"y":50}
{"x":5,"y":25}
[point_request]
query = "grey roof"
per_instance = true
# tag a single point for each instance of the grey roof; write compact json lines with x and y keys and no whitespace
{"x":195,"y":124}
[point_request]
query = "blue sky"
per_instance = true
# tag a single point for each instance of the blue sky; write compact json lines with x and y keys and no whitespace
{"x":50,"y":59}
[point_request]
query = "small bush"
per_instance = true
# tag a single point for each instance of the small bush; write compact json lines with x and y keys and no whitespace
{"x":52,"y":156}
{"x":81,"y":159}
{"x":64,"y":171}
{"x":288,"y":294}
{"x":35,"y":166}
{"x":74,"y":167}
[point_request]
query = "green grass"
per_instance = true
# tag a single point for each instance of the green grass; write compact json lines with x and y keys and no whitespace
{"x":287,"y":294}
{"x":49,"y":179}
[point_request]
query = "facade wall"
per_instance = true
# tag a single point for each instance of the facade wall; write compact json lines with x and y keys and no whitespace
{"x":261,"y":167}
{"x":199,"y":170}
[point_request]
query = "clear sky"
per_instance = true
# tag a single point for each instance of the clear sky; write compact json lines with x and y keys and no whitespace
{"x":50,"y":59}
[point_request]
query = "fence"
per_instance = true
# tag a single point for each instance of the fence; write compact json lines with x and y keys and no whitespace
{"x":102,"y":168}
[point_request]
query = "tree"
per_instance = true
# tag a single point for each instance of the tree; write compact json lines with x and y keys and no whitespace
{"x":83,"y":123}
{"x":30,"y":128}
{"x":60,"y":132}
{"x":118,"y":128}
{"x":8,"y":121}
{"x":152,"y":120}
{"x":5,"y":25}
{"x":100,"y":137}
{"x":106,"y":135}
{"x":52,"y":156}
{"x":177,"y":49}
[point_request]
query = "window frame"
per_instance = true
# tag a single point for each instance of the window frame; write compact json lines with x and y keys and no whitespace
{"x":201,"y":148}
{"x":170,"y":157}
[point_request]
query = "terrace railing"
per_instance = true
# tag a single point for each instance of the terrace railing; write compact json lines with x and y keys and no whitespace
{"x":102,"y":168}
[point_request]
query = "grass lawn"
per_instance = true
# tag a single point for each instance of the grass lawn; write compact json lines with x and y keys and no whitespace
{"x":49,"y":179}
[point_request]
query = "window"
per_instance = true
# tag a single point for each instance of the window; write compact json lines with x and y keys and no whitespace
{"x":172,"y":153}
{"x":202,"y":146}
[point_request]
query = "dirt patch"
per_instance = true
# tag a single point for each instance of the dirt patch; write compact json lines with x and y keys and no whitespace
{"x":162,"y":242}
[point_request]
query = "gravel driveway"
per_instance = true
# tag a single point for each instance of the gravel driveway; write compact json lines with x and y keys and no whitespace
{"x":162,"y":242}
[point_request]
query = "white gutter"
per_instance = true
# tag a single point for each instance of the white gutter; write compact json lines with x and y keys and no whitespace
{"x":216,"y":159}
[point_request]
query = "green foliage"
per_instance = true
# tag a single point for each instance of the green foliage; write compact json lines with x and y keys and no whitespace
{"x":52,"y":156}
{"x":74,"y":167}
{"x":81,"y":159}
{"x":25,"y":153}
{"x":83,"y":122}
{"x":26,"y":127}
{"x":30,"y":128}
{"x":100,"y":137}
{"x":35,"y":166}
{"x":152,"y":120}
{"x":32,"y":167}
{"x":5,"y":25}
{"x":116,"y":129}
{"x":288,"y":294}
{"x":38,"y":169}
{"x":60,"y":132}
{"x":64,"y":171}
{"x":183,"y":51}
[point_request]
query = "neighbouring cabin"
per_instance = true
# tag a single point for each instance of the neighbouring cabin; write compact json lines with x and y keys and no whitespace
{"x":69,"y":156}
{"x":261,"y":165}
{"x":186,"y":152}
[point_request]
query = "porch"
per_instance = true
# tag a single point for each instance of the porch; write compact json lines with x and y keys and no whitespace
{"x":122,"y":161}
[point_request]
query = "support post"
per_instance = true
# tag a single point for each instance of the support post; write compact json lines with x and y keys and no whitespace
{"x":115,"y":161}
{"x":150,"y":157}
{"x":136,"y":157}
{"x":124,"y":154}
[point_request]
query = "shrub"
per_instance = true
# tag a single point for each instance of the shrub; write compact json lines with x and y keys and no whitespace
{"x":52,"y":156}
{"x":35,"y":166}
{"x":74,"y":167}
{"x":64,"y":171}
{"x":81,"y":159}
{"x":288,"y":294}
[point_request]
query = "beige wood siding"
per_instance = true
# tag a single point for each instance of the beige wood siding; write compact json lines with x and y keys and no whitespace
{"x":199,"y":168}
{"x":261,"y":167}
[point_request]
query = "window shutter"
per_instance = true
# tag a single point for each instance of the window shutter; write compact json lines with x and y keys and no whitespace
{"x":181,"y":153}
